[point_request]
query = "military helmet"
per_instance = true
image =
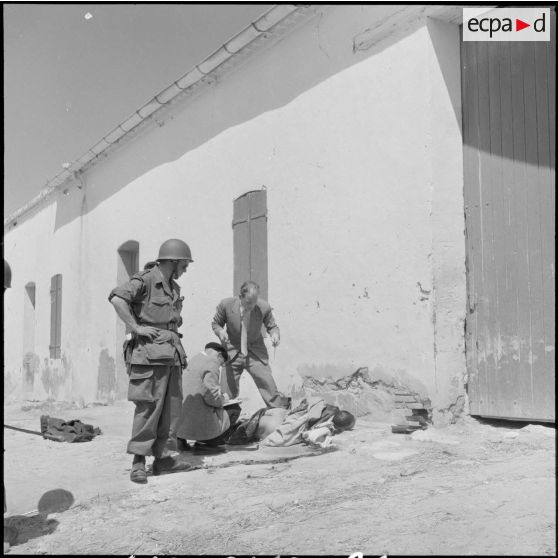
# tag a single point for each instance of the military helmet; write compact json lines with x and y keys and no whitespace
{"x":7,"y":275}
{"x":174,"y":249}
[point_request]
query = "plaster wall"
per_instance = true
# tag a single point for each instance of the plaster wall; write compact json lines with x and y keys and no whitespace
{"x":360,"y":153}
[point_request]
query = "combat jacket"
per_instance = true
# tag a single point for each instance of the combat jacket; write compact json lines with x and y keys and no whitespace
{"x":154,"y":303}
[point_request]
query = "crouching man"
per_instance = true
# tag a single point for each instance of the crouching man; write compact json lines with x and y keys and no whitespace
{"x":206,"y":417}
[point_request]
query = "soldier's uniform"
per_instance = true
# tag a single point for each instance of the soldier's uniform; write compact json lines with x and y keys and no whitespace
{"x":154,"y":367}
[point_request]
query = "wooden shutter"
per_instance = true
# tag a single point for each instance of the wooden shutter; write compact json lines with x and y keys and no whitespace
{"x":55,"y":316}
{"x":250,"y":240}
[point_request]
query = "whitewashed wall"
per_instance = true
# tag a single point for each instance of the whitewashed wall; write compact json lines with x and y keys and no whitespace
{"x":360,"y":153}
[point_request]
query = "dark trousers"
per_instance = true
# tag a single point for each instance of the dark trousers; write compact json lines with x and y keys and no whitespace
{"x":261,"y":374}
{"x":157,"y":394}
{"x":234,"y":412}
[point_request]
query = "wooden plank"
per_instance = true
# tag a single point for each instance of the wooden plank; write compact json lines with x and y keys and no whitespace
{"x":241,"y":252}
{"x":258,"y":253}
{"x":549,"y":221}
{"x":549,"y":194}
{"x":241,"y":209}
{"x":545,"y":71}
{"x":53,"y":295}
{"x":509,"y":357}
{"x":551,"y":63}
{"x":59,"y":317}
{"x":486,"y":301}
{"x":536,"y":355}
{"x":519,"y":218}
{"x":55,"y":315}
{"x":471,"y":189}
{"x":257,"y":203}
{"x":496,"y":275}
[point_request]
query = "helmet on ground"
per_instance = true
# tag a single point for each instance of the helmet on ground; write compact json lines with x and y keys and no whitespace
{"x":7,"y":275}
{"x":174,"y":249}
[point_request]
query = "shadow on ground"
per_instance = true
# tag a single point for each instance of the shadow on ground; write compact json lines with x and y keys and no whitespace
{"x":19,"y":529}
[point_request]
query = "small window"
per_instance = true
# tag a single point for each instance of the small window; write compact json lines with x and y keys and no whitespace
{"x":29,"y":319}
{"x":55,"y":316}
{"x":29,"y":356}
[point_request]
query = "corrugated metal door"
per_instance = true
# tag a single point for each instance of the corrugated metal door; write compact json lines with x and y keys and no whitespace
{"x":509,"y":115}
{"x":250,"y":240}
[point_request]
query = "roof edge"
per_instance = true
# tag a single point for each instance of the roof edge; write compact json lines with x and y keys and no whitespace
{"x":262,"y":26}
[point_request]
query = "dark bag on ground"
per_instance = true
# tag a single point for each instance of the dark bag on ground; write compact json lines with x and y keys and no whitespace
{"x":71,"y":431}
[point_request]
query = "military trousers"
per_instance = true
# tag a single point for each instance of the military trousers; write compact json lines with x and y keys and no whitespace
{"x":157,"y":393}
{"x":261,"y":374}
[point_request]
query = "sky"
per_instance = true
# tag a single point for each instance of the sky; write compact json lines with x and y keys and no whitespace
{"x":72,"y":72}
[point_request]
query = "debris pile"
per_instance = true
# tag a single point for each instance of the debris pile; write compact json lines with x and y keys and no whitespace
{"x":383,"y":400}
{"x":356,"y":393}
{"x":410,"y":413}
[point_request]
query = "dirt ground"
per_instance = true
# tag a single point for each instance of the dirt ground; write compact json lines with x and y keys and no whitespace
{"x":471,"y":488}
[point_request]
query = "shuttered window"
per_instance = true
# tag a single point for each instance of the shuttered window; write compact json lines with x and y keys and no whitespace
{"x":55,"y":315}
{"x":250,"y":240}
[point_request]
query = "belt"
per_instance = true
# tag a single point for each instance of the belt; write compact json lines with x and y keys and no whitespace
{"x":170,"y":326}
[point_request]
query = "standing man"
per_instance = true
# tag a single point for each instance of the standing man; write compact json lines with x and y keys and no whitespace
{"x":150,"y":305}
{"x":238,"y":325}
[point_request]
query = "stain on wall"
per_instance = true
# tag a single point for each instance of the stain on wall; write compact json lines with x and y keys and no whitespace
{"x":31,"y":365}
{"x":106,"y":377}
{"x":53,"y":376}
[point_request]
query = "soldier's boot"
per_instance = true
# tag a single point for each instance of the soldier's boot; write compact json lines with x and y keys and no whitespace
{"x":138,"y":473}
{"x":170,"y":464}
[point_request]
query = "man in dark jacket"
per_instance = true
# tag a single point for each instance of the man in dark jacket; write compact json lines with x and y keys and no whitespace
{"x":238,"y":325}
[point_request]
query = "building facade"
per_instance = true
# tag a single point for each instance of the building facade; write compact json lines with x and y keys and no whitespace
{"x":327,"y":163}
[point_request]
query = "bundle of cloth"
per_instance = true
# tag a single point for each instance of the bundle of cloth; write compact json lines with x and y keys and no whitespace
{"x":71,"y":431}
{"x":312,"y":421}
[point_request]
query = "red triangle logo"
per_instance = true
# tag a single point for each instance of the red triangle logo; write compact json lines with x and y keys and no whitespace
{"x":519,"y":25}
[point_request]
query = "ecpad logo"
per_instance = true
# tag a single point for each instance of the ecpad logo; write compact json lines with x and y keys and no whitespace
{"x":506,"y":24}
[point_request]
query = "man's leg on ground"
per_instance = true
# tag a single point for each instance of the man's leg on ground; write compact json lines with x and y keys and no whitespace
{"x":261,"y":373}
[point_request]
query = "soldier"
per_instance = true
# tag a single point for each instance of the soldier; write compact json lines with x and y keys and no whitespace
{"x":150,"y":305}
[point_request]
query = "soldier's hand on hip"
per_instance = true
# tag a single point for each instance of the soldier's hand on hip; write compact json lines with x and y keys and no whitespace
{"x":224,"y":338}
{"x":275,"y":340}
{"x":146,"y":331}
{"x":164,"y":336}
